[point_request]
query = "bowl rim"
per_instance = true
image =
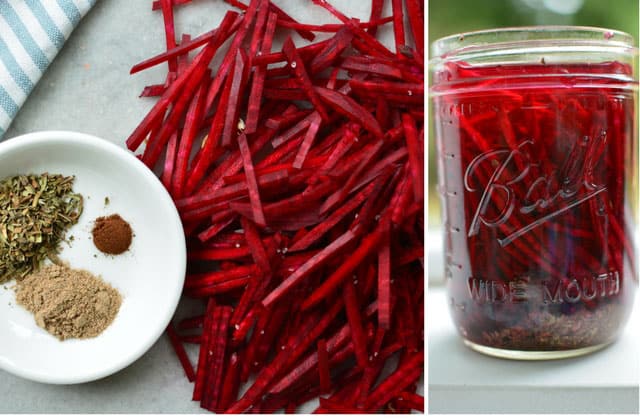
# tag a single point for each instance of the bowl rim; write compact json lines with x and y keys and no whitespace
{"x":37,"y":138}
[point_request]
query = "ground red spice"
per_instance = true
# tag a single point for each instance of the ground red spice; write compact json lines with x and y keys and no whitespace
{"x":112,"y":234}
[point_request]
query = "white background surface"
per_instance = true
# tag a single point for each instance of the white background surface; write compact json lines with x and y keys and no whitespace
{"x":88,"y":89}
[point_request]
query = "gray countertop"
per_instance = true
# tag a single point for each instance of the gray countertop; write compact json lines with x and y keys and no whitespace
{"x":88,"y":89}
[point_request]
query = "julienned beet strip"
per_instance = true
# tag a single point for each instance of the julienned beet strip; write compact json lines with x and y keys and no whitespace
{"x":216,"y":357}
{"x":181,"y":353}
{"x":298,"y":176}
{"x":323,"y":366}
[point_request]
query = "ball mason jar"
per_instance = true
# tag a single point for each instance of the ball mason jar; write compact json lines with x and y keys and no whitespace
{"x":536,"y":136}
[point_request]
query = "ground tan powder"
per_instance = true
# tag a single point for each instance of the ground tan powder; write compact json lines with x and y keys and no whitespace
{"x":69,"y":303}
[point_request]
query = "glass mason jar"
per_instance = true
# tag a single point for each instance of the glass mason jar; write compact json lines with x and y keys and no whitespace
{"x":537,"y":166}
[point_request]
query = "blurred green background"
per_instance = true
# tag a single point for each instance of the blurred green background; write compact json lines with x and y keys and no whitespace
{"x":448,"y":17}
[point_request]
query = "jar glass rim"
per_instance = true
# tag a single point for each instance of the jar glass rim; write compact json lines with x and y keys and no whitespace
{"x":487,"y":39}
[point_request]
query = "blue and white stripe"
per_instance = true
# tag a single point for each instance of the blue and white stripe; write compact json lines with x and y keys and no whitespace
{"x":31,"y":34}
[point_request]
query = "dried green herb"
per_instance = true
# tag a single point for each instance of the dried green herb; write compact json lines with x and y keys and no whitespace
{"x":35,"y":213}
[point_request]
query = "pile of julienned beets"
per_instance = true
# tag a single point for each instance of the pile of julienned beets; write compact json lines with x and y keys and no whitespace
{"x":299,"y":173}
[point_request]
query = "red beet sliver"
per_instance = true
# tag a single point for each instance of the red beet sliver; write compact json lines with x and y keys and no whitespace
{"x":304,"y":225}
{"x":323,"y":366}
{"x":181,"y":353}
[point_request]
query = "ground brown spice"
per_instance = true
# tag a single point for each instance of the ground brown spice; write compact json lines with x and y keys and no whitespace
{"x":112,"y":234}
{"x":69,"y":303}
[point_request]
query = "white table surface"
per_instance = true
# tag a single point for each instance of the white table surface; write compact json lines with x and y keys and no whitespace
{"x":88,"y":89}
{"x":463,"y":381}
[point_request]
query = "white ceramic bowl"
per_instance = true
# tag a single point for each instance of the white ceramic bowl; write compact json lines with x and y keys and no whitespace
{"x":149,"y":276}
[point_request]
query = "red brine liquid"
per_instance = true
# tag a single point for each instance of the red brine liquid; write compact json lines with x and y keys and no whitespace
{"x":536,"y":169}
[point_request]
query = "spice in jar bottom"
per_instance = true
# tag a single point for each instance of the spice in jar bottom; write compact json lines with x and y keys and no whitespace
{"x":536,"y":179}
{"x":544,"y":331}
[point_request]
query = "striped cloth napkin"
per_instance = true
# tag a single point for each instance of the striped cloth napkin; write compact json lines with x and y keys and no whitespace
{"x":31,"y":34}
